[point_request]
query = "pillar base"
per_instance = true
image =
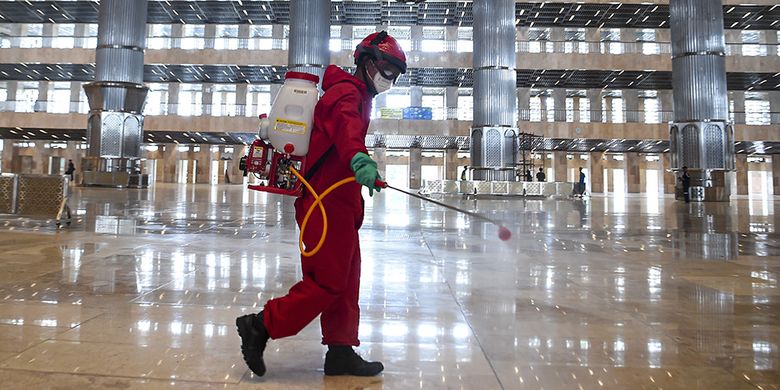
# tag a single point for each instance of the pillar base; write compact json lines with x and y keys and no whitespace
{"x":706,"y":186}
{"x":113,"y":172}
{"x":493,"y":174}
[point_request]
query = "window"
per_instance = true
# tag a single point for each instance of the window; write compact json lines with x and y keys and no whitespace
{"x":223,"y":100}
{"x":618,"y":116}
{"x":465,"y":104}
{"x":64,"y":39}
{"x":433,"y":39}
{"x":751,"y":43}
{"x":193,"y":37}
{"x":190,"y":99}
{"x":398,"y":98}
{"x":434,"y":98}
{"x":575,"y":41}
{"x":32,"y":36}
{"x":360,"y":32}
{"x":402,"y":34}
{"x":26,"y":95}
{"x":756,"y":109}
{"x":258,"y":100}
{"x":535,"y":104}
{"x":539,"y":40}
{"x":465,"y":40}
{"x":157,"y":99}
{"x":3,"y":97}
{"x":160,"y":37}
{"x":550,"y":108}
{"x":91,"y":41}
{"x":647,"y":38}
{"x":227,"y":37}
{"x":260,"y":37}
{"x":584,"y":110}
{"x":651,"y":106}
{"x":58,"y":97}
{"x":610,"y":39}
{"x":335,"y":38}
{"x":569,"y":109}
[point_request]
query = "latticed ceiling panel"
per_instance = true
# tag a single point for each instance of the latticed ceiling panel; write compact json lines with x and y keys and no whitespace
{"x":372,"y":13}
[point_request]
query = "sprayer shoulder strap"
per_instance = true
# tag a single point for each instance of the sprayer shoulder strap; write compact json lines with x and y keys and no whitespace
{"x":317,"y":165}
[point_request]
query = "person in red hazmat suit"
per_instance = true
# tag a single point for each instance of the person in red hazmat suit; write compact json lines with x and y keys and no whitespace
{"x":331,"y":278}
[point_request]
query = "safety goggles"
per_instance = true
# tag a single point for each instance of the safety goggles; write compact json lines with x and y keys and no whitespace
{"x":387,"y":69}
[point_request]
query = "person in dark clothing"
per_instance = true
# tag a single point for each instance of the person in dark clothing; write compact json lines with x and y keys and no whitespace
{"x":685,"y":178}
{"x":464,"y":172}
{"x":581,"y":183}
{"x":540,"y":176}
{"x":71,"y":169}
{"x":528,"y":176}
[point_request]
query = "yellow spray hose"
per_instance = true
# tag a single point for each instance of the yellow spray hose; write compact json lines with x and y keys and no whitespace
{"x":317,"y":202}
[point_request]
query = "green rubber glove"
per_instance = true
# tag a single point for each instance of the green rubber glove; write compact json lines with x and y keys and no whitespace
{"x":366,"y":172}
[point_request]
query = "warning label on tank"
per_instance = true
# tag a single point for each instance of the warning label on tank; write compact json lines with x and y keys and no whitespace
{"x":291,"y":127}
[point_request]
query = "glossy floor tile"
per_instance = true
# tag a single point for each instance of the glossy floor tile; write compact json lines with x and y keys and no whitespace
{"x":142,"y":290}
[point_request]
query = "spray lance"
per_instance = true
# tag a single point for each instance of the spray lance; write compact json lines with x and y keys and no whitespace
{"x":278,"y":156}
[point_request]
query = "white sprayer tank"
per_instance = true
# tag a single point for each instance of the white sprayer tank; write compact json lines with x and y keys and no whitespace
{"x":292,"y":114}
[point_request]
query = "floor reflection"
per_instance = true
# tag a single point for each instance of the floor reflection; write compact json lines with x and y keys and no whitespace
{"x":143,"y":288}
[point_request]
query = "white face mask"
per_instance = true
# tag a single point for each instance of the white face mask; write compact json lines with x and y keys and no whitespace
{"x":381,"y":84}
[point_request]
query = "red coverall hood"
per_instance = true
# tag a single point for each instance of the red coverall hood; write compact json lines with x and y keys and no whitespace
{"x":334,"y":75}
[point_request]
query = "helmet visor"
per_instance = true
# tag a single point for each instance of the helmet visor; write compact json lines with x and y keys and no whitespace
{"x":387,"y":69}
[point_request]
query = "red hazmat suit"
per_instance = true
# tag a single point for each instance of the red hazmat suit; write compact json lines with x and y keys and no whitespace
{"x":331,"y":278}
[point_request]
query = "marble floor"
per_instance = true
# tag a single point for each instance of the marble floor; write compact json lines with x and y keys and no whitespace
{"x":141,"y":291}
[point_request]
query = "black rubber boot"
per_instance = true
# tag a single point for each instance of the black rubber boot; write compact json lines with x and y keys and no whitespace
{"x":342,"y":360}
{"x":254,"y":337}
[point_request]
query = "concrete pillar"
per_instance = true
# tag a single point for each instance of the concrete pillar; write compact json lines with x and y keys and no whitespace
{"x":666,"y":104}
{"x":742,"y":174}
{"x":771,"y":42}
{"x":415,"y":93}
{"x":41,"y":158}
{"x":776,"y":175}
{"x":594,"y":95}
{"x":559,"y":99}
{"x":739,"y":106}
{"x":560,"y":167}
{"x":173,"y":99}
{"x":166,"y":166}
{"x":451,"y":164}
{"x":177,"y":32}
{"x":75,"y":96}
{"x":80,"y":32}
{"x":207,"y":98}
{"x":380,"y":156}
{"x":243,"y":36}
{"x":203,"y":165}
{"x":380,"y":102}
{"x":631,"y":106}
{"x":6,"y":164}
{"x":11,"y":89}
{"x":596,"y":172}
{"x":417,"y":37}
{"x":48,"y":34}
{"x":415,"y":168}
{"x":633,"y":174}
{"x":209,"y":32}
{"x":451,"y":102}
{"x":524,"y":104}
{"x":241,"y":108}
{"x":43,"y":96}
{"x":543,"y":106}
{"x":669,"y":178}
{"x":774,"y":107}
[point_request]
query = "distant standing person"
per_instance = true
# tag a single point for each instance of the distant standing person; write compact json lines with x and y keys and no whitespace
{"x":685,"y":178}
{"x":464,"y":173}
{"x":71,"y":169}
{"x":528,"y":176}
{"x":582,"y":183}
{"x":540,"y":176}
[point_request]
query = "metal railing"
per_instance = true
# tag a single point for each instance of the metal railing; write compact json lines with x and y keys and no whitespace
{"x":439,"y":113}
{"x":433,"y":46}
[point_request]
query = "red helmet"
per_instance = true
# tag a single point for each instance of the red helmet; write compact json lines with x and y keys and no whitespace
{"x":381,"y":46}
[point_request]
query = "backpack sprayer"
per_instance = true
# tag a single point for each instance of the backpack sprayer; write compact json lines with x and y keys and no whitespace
{"x":278,"y":156}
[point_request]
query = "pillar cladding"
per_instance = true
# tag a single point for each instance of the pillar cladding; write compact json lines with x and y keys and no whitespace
{"x":117,"y":96}
{"x":701,"y":137}
{"x":493,"y":133}
{"x":309,"y":36}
